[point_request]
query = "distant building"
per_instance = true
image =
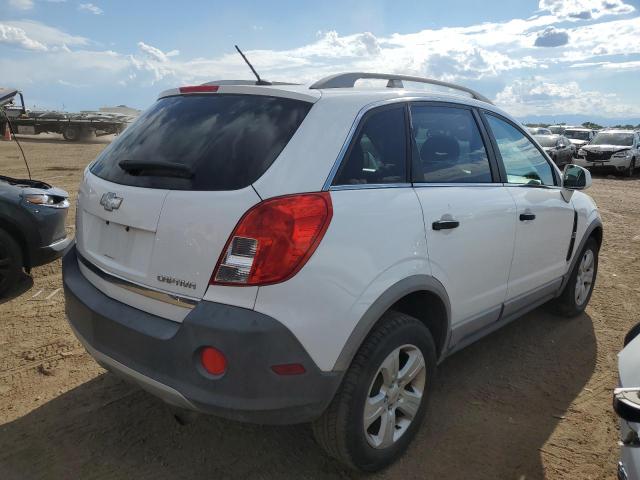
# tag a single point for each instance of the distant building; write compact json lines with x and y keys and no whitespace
{"x":122,"y":109}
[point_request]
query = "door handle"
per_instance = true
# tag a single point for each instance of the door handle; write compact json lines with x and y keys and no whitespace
{"x":445,"y":224}
{"x":527,"y":216}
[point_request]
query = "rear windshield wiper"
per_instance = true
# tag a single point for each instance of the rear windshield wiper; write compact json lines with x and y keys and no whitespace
{"x":156,"y":168}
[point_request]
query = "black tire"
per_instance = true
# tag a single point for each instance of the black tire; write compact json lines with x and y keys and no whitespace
{"x":10,"y":262}
{"x":340,"y":431}
{"x":566,"y":304}
{"x":71,"y":133}
{"x":631,"y":170}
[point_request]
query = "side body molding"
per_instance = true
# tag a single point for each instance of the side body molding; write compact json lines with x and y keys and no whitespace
{"x":414,"y":283}
{"x":596,"y":223}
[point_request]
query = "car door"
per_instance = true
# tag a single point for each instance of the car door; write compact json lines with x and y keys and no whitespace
{"x":469,"y":216}
{"x":544,"y":219}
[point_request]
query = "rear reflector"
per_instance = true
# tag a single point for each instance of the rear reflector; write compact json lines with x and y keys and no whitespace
{"x":199,"y":89}
{"x":213,"y":361}
{"x":289,"y":369}
{"x":274,"y":240}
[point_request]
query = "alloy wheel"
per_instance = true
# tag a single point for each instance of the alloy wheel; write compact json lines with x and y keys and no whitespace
{"x":584,"y":280}
{"x":395,"y":396}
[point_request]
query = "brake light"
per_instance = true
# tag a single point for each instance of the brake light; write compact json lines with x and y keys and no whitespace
{"x":199,"y":89}
{"x":274,"y":240}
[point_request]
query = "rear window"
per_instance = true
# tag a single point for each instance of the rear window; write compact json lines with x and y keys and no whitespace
{"x":226,"y":141}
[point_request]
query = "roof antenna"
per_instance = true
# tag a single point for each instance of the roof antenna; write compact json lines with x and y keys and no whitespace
{"x":260,"y":81}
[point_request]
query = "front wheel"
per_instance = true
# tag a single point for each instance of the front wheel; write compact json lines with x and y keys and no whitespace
{"x":382,"y":400}
{"x":577,"y":292}
{"x":10,"y":262}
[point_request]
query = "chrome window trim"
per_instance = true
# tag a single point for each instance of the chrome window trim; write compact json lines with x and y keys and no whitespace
{"x":170,"y":298}
{"x":368,"y":186}
{"x":457,"y":184}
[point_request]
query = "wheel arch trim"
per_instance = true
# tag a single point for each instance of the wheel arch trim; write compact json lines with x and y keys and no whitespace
{"x":595,"y":224}
{"x":397,"y":291}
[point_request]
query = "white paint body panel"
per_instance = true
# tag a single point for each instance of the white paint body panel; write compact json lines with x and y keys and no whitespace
{"x":541,"y":244}
{"x":376,"y":238}
{"x":179,"y":234}
{"x":472,"y":261}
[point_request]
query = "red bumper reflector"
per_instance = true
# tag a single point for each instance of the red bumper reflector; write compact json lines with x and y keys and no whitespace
{"x":213,"y":361}
{"x":289,"y":369}
{"x":199,"y":89}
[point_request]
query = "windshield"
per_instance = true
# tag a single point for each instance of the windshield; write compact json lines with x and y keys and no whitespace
{"x":225,"y":142}
{"x":622,"y":139}
{"x":577,"y":134}
{"x":546,"y":141}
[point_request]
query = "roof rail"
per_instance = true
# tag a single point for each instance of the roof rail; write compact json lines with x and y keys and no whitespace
{"x":246,"y":82}
{"x":348,"y":80}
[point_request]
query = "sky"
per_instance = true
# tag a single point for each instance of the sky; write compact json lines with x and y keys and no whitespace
{"x":546,"y":59}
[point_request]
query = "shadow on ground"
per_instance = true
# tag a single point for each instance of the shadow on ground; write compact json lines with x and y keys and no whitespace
{"x":24,"y":285}
{"x":495,"y":404}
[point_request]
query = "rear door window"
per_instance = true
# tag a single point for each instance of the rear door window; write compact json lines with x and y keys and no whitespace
{"x":378,"y":154}
{"x":448,"y":146}
{"x":219,"y":142}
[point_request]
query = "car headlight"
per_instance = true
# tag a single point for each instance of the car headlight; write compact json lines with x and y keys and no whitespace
{"x":47,"y":200}
{"x":622,"y":154}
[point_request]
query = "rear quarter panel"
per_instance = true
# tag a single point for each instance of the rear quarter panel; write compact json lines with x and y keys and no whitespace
{"x":376,"y":238}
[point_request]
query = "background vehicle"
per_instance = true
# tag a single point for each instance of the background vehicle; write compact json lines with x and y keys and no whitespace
{"x":626,"y":403}
{"x":579,"y":136}
{"x":559,"y":148}
{"x":32,"y":220}
{"x":539,"y":131}
{"x":32,"y":227}
{"x":615,"y":151}
{"x":313,"y":234}
{"x":557,"y":129}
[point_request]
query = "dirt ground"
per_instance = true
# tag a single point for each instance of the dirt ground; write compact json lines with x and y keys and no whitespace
{"x":530,"y":401}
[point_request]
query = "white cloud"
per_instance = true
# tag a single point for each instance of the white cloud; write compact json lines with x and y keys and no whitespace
{"x":32,"y":35}
{"x":21,"y":4}
{"x":551,"y":37}
{"x":535,"y":96}
{"x":17,"y":37}
{"x":585,"y":9}
{"x":91,"y":8}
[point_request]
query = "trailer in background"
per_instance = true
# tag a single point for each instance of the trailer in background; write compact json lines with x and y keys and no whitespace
{"x":72,"y":126}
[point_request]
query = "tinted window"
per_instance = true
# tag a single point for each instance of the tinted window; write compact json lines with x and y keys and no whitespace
{"x":622,"y":139}
{"x":547,"y":140}
{"x":449,"y":146}
{"x":226,"y":141}
{"x":523,"y":162}
{"x":378,"y":153}
{"x":577,"y":134}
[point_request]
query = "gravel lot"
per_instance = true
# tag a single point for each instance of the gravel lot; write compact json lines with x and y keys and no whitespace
{"x":530,"y":401}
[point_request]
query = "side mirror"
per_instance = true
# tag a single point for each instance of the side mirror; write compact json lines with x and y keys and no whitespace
{"x":626,"y":404}
{"x":575,"y":177}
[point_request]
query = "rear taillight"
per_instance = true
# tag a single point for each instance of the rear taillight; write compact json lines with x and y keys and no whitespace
{"x":274,"y":240}
{"x":199,"y":89}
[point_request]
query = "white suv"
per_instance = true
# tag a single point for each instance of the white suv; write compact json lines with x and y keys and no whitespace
{"x":283,"y":254}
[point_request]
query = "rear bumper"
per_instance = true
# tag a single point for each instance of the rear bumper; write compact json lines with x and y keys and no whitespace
{"x":162,"y":357}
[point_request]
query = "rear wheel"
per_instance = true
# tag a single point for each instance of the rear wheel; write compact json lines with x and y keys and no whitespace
{"x":71,"y":133}
{"x":382,"y":400}
{"x":10,"y":262}
{"x":577,"y":293}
